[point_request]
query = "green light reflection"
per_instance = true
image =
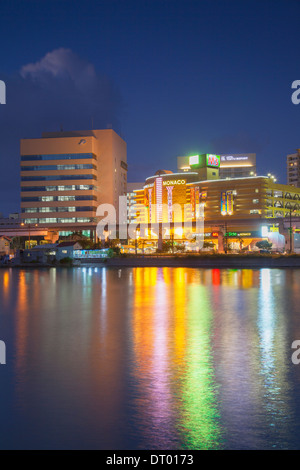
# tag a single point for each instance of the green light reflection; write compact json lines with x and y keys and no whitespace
{"x":200,"y":419}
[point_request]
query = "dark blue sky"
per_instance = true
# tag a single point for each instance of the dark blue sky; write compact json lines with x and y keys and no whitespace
{"x":173,"y":77}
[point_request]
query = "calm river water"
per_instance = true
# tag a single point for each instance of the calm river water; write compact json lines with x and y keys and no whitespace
{"x":149,"y":358}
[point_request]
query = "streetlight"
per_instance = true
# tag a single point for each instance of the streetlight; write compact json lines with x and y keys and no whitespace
{"x":291,"y":230}
{"x":137,"y":236}
{"x":29,"y":226}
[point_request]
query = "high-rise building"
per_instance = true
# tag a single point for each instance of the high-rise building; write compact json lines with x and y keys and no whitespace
{"x":66,"y":175}
{"x":293,"y":169}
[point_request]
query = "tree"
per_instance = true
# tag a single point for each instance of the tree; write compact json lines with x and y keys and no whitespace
{"x":16,"y":243}
{"x":180,"y":248}
{"x":166,"y":246}
{"x":86,"y":243}
{"x":207,"y":244}
{"x":241,"y":244}
{"x":264,"y":245}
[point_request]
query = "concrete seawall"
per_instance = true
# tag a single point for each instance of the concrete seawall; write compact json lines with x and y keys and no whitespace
{"x":195,"y":262}
{"x":210,"y":262}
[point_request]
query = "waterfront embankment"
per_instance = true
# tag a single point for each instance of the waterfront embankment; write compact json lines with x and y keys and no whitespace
{"x":188,"y":261}
{"x":213,"y":261}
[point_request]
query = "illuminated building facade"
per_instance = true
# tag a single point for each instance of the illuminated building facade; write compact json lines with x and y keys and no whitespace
{"x":293,"y":169}
{"x":163,"y":190}
{"x":131,"y":200}
{"x":66,"y":175}
{"x":237,"y":207}
{"x":251,"y":197}
{"x":238,"y":165}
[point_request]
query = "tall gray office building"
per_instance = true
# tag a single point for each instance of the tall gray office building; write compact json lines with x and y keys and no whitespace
{"x":293,"y":169}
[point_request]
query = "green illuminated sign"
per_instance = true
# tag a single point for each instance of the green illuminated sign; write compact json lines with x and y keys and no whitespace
{"x":253,"y":234}
{"x":194,"y":160}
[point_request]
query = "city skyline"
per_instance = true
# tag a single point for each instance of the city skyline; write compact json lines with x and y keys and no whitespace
{"x":172,"y":78}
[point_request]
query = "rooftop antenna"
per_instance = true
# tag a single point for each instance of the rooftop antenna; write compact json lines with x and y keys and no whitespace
{"x":61,"y":128}
{"x":92,"y":123}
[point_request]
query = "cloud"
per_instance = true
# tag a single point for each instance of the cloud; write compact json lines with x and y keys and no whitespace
{"x":62,"y":64}
{"x":59,"y":90}
{"x":64,"y":84}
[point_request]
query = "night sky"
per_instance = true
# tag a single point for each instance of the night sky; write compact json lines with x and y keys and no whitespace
{"x":172,"y":77}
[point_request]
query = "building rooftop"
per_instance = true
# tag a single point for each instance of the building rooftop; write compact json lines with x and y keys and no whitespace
{"x":45,"y":246}
{"x":65,"y":244}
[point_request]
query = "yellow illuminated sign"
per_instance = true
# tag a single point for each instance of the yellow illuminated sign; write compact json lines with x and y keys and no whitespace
{"x":173,"y":182}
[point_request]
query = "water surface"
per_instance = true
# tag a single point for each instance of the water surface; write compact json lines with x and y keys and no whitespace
{"x":149,"y":358}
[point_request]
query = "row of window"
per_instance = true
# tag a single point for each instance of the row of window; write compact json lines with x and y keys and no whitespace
{"x":52,"y":220}
{"x":277,"y":214}
{"x":255,"y":211}
{"x":66,"y":233}
{"x":63,"y":156}
{"x":58,"y":177}
{"x":280,"y":204}
{"x":78,"y":166}
{"x":280,"y":194}
{"x":72,"y":187}
{"x":58,"y":209}
{"x":58,"y":198}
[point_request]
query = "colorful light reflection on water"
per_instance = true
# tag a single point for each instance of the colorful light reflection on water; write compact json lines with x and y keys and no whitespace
{"x":149,"y":358}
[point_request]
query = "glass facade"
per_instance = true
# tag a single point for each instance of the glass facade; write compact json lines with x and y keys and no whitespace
{"x":81,"y":166}
{"x":58,"y":198}
{"x":53,"y":220}
{"x":58,"y":177}
{"x":59,"y":209}
{"x":63,"y":156}
{"x":80,"y":187}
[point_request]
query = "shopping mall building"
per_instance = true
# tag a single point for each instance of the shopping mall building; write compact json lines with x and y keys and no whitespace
{"x":241,"y":210}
